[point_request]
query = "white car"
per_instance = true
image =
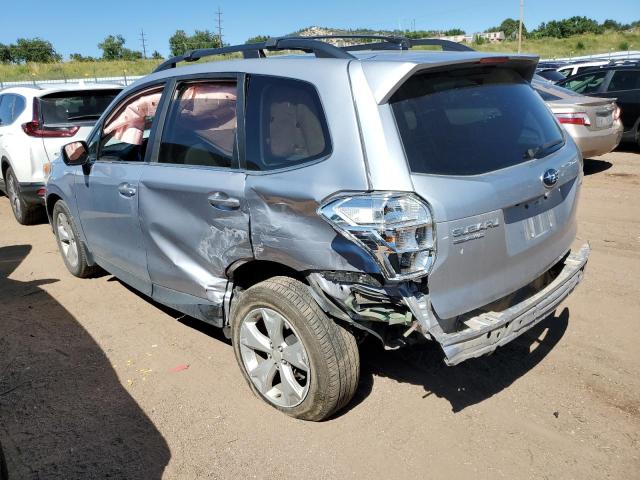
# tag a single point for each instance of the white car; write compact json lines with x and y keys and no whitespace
{"x":34,"y":124}
{"x":576,"y":68}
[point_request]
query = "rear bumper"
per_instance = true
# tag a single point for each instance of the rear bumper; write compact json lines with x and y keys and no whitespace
{"x":493,"y":329}
{"x":593,"y":143}
{"x":29,"y":193}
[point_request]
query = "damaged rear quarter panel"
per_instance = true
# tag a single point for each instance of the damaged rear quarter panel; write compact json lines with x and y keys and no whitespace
{"x":285,"y":225}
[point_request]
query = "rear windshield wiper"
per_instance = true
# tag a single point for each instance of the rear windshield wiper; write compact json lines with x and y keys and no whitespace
{"x":93,"y":116}
{"x":540,"y":151}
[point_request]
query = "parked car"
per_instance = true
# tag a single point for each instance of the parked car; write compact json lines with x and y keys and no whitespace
{"x":34,"y":123}
{"x":621,"y":83}
{"x":550,"y":74}
{"x":405,"y":195}
{"x":574,"y":68}
{"x":593,"y":123}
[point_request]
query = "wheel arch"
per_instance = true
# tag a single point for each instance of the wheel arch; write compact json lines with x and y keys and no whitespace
{"x":245,"y":274}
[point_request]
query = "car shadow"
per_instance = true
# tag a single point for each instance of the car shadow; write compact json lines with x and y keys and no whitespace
{"x":470,"y":382}
{"x":63,"y":411}
{"x":592,"y":166}
{"x":466,"y":384}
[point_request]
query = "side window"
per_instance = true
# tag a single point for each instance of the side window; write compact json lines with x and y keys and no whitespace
{"x":126,"y":133}
{"x":6,"y":109}
{"x":587,"y":83}
{"x":285,"y":124}
{"x":624,"y":80}
{"x":18,"y":107}
{"x":201,"y":125}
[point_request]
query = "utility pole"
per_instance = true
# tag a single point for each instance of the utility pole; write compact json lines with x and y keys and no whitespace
{"x":219,"y":14}
{"x":144,"y":43}
{"x":520,"y":26}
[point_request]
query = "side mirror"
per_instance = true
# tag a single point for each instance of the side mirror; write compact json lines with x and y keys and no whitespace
{"x":75,"y":153}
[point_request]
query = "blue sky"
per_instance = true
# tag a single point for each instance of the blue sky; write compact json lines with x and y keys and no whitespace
{"x":78,"y":26}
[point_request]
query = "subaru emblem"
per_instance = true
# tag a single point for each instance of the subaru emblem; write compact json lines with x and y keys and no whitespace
{"x":550,"y":177}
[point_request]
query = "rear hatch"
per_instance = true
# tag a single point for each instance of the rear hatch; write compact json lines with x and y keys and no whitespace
{"x":479,"y":142}
{"x":70,"y":115}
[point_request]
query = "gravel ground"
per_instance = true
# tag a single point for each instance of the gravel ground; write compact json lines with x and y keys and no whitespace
{"x":89,"y":386}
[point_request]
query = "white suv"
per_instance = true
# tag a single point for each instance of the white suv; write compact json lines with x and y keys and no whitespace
{"x":34,"y":123}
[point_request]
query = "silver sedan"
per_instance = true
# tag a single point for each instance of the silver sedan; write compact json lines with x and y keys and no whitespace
{"x":593,"y":123}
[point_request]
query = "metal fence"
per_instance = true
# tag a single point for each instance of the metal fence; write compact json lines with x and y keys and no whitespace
{"x":613,"y":56}
{"x":121,"y":80}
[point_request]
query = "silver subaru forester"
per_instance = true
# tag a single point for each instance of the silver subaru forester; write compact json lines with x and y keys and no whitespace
{"x":303,"y":202}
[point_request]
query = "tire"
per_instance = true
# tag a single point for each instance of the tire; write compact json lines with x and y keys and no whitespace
{"x":71,"y":248}
{"x":328,"y":351}
{"x":25,"y":214}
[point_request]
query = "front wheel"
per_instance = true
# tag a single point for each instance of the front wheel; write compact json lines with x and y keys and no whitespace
{"x":292,"y":355}
{"x":71,"y":248}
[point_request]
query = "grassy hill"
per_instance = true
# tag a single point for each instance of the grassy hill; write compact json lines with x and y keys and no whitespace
{"x":546,"y":48}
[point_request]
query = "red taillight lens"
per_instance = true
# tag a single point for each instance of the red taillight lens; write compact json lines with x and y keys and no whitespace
{"x":35,"y":129}
{"x":578,"y":118}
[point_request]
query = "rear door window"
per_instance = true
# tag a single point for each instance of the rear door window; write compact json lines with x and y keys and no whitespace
{"x":285,"y":124}
{"x":75,"y":107}
{"x":586,"y":83}
{"x":624,"y":80}
{"x":472,"y":121}
{"x":201,"y":125}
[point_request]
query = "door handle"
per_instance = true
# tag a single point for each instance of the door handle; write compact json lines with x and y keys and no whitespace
{"x":127,"y":190}
{"x":223,"y":201}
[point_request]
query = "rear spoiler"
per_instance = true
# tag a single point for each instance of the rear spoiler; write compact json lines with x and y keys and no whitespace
{"x":385,"y":78}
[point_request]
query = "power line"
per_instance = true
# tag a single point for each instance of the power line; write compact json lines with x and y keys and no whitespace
{"x":144,"y":43}
{"x":219,"y":14}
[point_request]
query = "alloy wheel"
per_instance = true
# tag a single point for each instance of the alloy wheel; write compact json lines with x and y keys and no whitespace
{"x":67,"y":239}
{"x":14,"y":196}
{"x":274,"y":357}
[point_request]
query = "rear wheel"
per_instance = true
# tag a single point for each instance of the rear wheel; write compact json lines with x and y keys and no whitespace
{"x":292,"y":355}
{"x":71,"y":248}
{"x":24,"y":213}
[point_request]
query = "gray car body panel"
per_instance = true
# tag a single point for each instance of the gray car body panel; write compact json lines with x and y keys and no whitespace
{"x":188,"y":248}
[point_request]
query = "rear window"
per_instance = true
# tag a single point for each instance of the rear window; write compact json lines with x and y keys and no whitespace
{"x":552,"y":75}
{"x":472,"y":121}
{"x":73,"y":107}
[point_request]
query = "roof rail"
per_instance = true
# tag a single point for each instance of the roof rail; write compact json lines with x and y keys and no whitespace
{"x":257,"y":50}
{"x":315,"y":45}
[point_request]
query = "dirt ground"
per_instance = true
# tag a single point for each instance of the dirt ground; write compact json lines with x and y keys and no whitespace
{"x":89,"y":386}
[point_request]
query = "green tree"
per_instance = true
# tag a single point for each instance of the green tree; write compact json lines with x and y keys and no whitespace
{"x":156,"y":55}
{"x":567,"y":27}
{"x":478,"y":40}
{"x":112,"y":47}
{"x":5,"y":53}
{"x":454,"y":31}
{"x":257,"y":39}
{"x":33,"y":50}
{"x":510,"y":27}
{"x":77,"y":57}
{"x":180,"y":42}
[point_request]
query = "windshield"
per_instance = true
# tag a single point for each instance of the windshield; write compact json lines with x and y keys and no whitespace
{"x":472,"y":121}
{"x":68,"y":107}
